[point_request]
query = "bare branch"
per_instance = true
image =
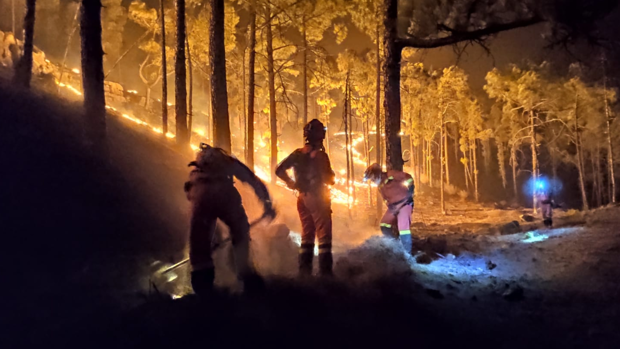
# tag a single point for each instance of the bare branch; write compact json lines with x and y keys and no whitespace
{"x":457,"y":36}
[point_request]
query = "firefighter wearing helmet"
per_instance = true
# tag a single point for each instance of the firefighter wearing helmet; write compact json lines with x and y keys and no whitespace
{"x":396,"y":188}
{"x":313,"y":175}
{"x":213,"y":196}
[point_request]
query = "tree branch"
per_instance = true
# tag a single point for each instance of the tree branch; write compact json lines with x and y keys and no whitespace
{"x":457,"y":37}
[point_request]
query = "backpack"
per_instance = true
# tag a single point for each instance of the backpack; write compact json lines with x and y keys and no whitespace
{"x":307,"y":172}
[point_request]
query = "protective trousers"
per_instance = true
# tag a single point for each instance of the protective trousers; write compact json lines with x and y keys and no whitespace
{"x":211,"y":201}
{"x":399,"y":216}
{"x":547,"y":213}
{"x":316,"y":222}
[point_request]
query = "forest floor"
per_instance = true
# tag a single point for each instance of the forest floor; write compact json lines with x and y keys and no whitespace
{"x":81,"y":234}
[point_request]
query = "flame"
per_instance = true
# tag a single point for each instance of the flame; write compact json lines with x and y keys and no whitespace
{"x":337,"y":196}
{"x":75,"y":70}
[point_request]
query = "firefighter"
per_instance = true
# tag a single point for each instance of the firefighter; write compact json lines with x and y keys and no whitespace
{"x":546,"y":202}
{"x":313,"y":175}
{"x":396,"y":188}
{"x":213,"y":196}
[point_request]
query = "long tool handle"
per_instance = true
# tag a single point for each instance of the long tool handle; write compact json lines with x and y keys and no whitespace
{"x":174,"y":266}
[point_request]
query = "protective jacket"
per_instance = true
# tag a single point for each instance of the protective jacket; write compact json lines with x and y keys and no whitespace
{"x":397,"y":190}
{"x":313,"y":174}
{"x":213,"y":195}
{"x":396,"y":187}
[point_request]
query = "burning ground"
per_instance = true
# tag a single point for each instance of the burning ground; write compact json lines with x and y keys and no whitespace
{"x":81,"y":234}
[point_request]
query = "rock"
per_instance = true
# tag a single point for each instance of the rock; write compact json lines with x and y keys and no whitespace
{"x":434,"y":293}
{"x":491,"y":265}
{"x":510,"y":228}
{"x":423,"y":259}
{"x":514,"y":293}
{"x":527,"y":218}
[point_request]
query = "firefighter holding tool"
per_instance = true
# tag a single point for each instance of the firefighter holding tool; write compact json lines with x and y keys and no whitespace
{"x":397,"y":189}
{"x":213,"y":196}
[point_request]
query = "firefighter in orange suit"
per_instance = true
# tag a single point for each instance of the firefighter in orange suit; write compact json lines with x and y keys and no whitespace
{"x":396,"y":188}
{"x":213,"y":196}
{"x":313,"y":175}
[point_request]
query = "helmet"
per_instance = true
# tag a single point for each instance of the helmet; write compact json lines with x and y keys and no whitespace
{"x":314,"y":131}
{"x":208,"y":156}
{"x":373,"y":173}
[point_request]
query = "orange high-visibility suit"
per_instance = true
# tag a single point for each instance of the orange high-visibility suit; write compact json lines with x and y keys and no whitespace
{"x":313,"y":174}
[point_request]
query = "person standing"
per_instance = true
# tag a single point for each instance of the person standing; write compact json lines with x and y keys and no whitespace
{"x":313,"y":175}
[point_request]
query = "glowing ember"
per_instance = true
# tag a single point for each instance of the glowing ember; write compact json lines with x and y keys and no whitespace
{"x":75,"y":70}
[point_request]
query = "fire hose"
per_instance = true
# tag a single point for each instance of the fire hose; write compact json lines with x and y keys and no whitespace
{"x":217,"y":245}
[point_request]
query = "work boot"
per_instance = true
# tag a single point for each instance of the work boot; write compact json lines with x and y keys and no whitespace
{"x":405,"y":239}
{"x":548,"y":222}
{"x":326,"y":264}
{"x":202,"y":281}
{"x":305,"y":261}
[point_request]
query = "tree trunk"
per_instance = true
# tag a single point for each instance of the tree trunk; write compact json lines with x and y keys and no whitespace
{"x":273,"y":123}
{"x":513,"y":164}
{"x":304,"y":39}
{"x":501,"y":161}
{"x":597,"y":175}
{"x":350,"y":149}
{"x":23,"y":68}
{"x":442,"y":165}
{"x":430,"y":163}
{"x":486,"y":154}
{"x":582,"y":185}
{"x":217,"y":60}
{"x":391,"y":67}
{"x":610,"y":148}
{"x":190,"y":97}
{"x":534,"y":158}
{"x":180,"y":95}
{"x":92,"y":72}
{"x":148,"y":97}
{"x":580,"y":165}
{"x":378,"y":152}
{"x":475,"y":160}
{"x":465,"y":165}
{"x":243,"y":123}
{"x":64,"y":57}
{"x":471,"y":165}
{"x":13,"y":17}
{"x":554,"y":163}
{"x":164,"y":71}
{"x":445,"y":155}
{"x":345,"y":119}
{"x":424,"y":161}
{"x":249,"y":147}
